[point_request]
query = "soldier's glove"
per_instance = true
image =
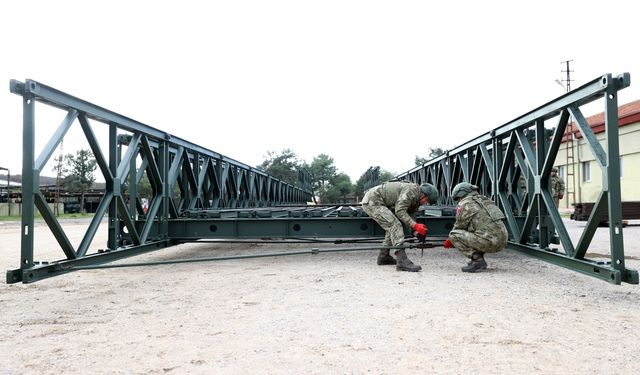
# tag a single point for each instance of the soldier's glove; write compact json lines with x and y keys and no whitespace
{"x":420,"y":228}
{"x":448,"y":244}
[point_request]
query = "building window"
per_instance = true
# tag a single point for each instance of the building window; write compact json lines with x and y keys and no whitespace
{"x":586,"y":171}
{"x":561,"y":172}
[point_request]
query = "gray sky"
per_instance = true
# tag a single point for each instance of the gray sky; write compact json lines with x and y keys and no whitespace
{"x":366,"y":82}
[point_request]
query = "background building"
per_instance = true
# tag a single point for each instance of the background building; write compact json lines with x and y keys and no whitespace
{"x":582,"y":173}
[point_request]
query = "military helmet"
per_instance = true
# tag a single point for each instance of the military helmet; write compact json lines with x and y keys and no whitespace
{"x":554,"y":169}
{"x":462,"y":189}
{"x":430,"y":191}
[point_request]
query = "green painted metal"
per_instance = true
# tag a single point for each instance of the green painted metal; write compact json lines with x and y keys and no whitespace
{"x":46,"y":269}
{"x":312,"y":251}
{"x":371,"y":177}
{"x":183,"y":176}
{"x":527,"y":146}
{"x":200,"y":195}
{"x":30,"y":178}
{"x":337,"y":227}
{"x":245,"y":224}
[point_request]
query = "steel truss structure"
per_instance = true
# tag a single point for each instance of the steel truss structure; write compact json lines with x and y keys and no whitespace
{"x":198,"y":194}
{"x":183,"y":176}
{"x":525,"y":150}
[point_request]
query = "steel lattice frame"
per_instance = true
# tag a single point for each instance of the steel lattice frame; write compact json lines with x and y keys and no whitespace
{"x":199,"y":194}
{"x":495,"y":161}
{"x":183,"y":176}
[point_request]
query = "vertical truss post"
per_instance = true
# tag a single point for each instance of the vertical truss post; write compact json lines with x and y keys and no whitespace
{"x":496,"y":160}
{"x":611,"y":178}
{"x":30,"y":179}
{"x":541,"y":182}
{"x":164,"y":166}
{"x":112,"y":240}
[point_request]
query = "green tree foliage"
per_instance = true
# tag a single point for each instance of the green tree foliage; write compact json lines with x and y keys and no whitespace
{"x":144,"y":190}
{"x":385,"y":176}
{"x":78,"y":170}
{"x":327,"y":184}
{"x":144,"y":187}
{"x":322,"y":171}
{"x":434,"y":152}
{"x":359,"y":188}
{"x":283,"y":165}
{"x":338,"y":188}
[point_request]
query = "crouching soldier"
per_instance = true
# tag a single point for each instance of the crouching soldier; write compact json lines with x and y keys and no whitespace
{"x":478,"y":229}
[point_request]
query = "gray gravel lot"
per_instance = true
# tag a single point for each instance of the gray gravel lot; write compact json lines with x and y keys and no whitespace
{"x":326,"y":313}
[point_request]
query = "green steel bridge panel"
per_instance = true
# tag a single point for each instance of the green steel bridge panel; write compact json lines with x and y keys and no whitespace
{"x":598,"y":269}
{"x":338,"y":227}
{"x":527,"y":147}
{"x":182,"y":175}
{"x":199,"y":194}
{"x":299,"y":223}
{"x":46,"y":269}
{"x":193,"y":230}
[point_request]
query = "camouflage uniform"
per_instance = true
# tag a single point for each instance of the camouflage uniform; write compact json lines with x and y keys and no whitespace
{"x":479,"y":226}
{"x":557,"y":188}
{"x":392,"y":204}
{"x":523,"y":185}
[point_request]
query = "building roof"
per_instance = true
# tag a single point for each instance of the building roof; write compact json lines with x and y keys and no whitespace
{"x":627,"y":114}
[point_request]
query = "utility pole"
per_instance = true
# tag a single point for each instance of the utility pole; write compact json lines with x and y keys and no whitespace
{"x":568,"y":71}
{"x":569,"y":146}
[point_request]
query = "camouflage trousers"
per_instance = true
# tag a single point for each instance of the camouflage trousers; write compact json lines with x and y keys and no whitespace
{"x":470,"y":242}
{"x":388,"y":221}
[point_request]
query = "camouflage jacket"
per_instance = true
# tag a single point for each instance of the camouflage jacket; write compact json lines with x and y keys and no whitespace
{"x":557,"y":186}
{"x":478,"y":214}
{"x":403,"y":198}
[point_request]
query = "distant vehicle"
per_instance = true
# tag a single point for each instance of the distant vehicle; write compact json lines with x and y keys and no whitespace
{"x":72,"y":208}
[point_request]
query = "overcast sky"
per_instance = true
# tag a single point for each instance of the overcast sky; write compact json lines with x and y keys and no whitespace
{"x":365,"y":82}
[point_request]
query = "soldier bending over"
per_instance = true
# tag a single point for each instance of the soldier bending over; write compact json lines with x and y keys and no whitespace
{"x":392,"y":204}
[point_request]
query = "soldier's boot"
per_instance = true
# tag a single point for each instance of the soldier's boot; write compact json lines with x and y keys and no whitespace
{"x":477,"y":263}
{"x":404,"y":264}
{"x":384,"y":258}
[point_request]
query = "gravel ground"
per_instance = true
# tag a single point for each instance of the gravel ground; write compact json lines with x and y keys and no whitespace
{"x":316,"y":314}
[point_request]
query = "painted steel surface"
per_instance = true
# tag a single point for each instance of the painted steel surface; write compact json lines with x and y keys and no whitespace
{"x":182,"y":176}
{"x":525,"y":149}
{"x":199,"y":194}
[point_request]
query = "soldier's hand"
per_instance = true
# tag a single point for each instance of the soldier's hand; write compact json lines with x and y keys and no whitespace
{"x":421,"y":238}
{"x":448,"y":244}
{"x":420,"y":228}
